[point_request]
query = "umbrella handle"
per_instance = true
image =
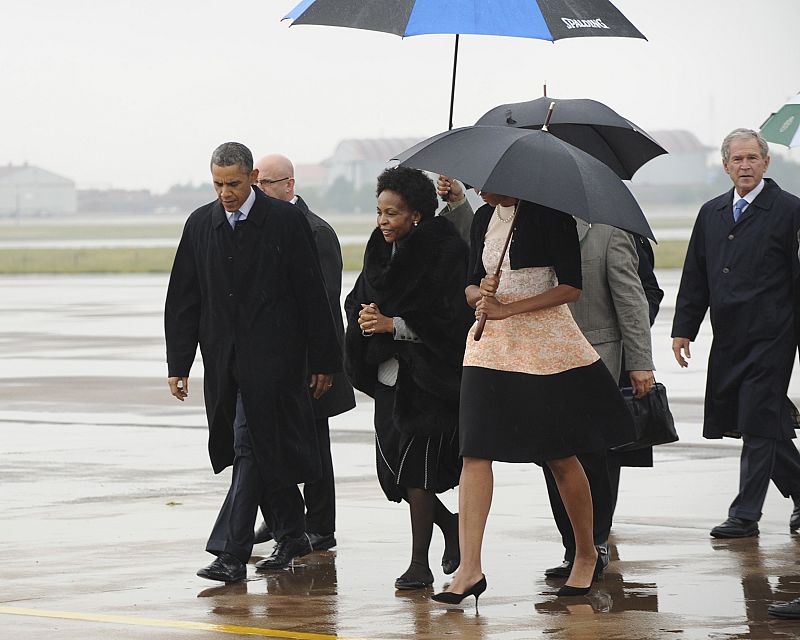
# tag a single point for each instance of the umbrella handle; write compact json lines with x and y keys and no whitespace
{"x":481,"y":324}
{"x":482,"y":320}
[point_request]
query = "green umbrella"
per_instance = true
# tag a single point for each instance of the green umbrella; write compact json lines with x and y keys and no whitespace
{"x":783,"y":127}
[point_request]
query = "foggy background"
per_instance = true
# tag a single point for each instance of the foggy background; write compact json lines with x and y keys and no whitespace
{"x":136,"y":94}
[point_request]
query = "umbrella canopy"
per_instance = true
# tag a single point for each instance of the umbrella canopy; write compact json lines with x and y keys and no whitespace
{"x":539,"y":19}
{"x":783,"y":127}
{"x":531,"y":165}
{"x":587,"y":124}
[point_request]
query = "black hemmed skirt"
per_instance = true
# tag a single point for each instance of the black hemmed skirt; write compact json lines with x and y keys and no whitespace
{"x":407,"y":461}
{"x":520,"y":417}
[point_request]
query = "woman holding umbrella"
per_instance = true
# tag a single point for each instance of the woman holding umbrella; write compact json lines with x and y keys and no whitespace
{"x":533,"y":389}
{"x":407,"y":325}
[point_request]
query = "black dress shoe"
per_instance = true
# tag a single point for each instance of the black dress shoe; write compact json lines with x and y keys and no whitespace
{"x":321,"y":541}
{"x":263,"y":534}
{"x":789,"y":609}
{"x":412,"y":583}
{"x":735,"y":528}
{"x":226,"y":568}
{"x":565,"y":568}
{"x":794,"y":521}
{"x":561,"y":571}
{"x":284,"y":552}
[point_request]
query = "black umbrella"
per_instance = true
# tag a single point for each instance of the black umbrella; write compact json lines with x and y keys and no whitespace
{"x":587,"y":124}
{"x":532,"y":165}
{"x":539,"y":19}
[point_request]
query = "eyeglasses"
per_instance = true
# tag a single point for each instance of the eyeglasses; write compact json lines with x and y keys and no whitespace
{"x":263,"y":182}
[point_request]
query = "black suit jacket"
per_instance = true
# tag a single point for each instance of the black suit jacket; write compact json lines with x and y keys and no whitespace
{"x":340,"y":398}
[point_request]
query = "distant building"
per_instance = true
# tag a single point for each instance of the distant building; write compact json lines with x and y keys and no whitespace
{"x":684,"y":164}
{"x":311,"y":176}
{"x":115,"y":201}
{"x":360,"y":161}
{"x":26,"y":190}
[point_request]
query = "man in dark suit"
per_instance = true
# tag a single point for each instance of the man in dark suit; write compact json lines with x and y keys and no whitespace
{"x":742,"y":265}
{"x":246,"y":287}
{"x":276,"y":179}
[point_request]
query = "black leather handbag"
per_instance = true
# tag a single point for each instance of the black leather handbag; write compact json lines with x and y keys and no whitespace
{"x":652,"y":419}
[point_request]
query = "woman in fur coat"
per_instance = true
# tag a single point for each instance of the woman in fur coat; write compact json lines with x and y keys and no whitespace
{"x":407,"y":325}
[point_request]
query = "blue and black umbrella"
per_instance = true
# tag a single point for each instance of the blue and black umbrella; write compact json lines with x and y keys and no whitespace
{"x":538,"y":19}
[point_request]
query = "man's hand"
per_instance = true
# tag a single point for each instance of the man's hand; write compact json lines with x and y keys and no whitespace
{"x":320,"y":384}
{"x":179,"y":387}
{"x":642,"y":382}
{"x":679,"y":347}
{"x":449,"y":189}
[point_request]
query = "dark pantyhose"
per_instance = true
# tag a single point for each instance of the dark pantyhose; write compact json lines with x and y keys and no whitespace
{"x":426,"y":509}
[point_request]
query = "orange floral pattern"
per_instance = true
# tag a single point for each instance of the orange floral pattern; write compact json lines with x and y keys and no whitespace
{"x":541,"y":342}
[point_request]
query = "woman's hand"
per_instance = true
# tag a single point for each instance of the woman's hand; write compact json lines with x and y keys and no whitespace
{"x":489,"y":284}
{"x":493,"y":309}
{"x":371,"y":320}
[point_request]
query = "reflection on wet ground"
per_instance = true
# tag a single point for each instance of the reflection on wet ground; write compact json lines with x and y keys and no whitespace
{"x":108,"y":498}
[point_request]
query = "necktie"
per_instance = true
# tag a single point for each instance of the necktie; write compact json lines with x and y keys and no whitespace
{"x":741,"y":203}
{"x":237,"y":215}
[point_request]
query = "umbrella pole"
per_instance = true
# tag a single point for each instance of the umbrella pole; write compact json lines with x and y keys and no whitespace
{"x":453,"y":87}
{"x":482,"y":320}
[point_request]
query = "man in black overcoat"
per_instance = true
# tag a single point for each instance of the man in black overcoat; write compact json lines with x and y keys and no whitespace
{"x":742,"y":265}
{"x":276,"y":179}
{"x":246,"y":286}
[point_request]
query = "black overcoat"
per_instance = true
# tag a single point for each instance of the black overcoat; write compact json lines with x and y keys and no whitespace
{"x":254,"y":300}
{"x":423,"y":284}
{"x":747,"y":274}
{"x":340,"y":397}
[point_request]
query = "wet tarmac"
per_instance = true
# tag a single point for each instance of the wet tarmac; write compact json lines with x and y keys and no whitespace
{"x":107,"y":499}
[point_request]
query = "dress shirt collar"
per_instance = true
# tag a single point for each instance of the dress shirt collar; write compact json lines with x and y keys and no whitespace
{"x":750,"y":196}
{"x":245,"y":208}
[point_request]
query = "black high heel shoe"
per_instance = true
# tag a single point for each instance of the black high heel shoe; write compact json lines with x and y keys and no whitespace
{"x":599,"y":567}
{"x":448,"y":597}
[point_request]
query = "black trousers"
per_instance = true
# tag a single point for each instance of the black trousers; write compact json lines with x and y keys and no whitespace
{"x":603,"y":476}
{"x":762,"y":460}
{"x":233,"y":530}
{"x":320,"y":496}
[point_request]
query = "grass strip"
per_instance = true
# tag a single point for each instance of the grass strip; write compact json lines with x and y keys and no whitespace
{"x":669,"y":255}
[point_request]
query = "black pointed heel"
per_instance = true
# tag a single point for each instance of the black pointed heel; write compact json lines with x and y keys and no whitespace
{"x":566,"y":590}
{"x":599,"y":567}
{"x":448,"y":597}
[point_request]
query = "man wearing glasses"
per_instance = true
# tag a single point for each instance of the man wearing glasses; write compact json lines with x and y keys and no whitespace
{"x":276,"y":179}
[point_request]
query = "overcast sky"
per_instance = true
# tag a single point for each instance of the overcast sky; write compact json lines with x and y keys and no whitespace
{"x":137,"y":93}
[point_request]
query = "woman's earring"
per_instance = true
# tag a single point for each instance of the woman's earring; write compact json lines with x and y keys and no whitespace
{"x":416,"y":222}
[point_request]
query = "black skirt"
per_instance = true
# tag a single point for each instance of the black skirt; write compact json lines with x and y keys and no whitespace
{"x":407,"y":461}
{"x":520,"y":417}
